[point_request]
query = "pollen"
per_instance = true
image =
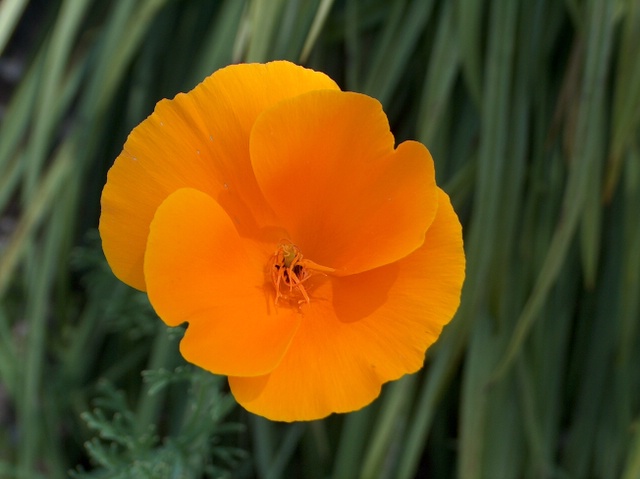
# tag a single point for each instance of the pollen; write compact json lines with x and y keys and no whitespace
{"x":290,"y":271}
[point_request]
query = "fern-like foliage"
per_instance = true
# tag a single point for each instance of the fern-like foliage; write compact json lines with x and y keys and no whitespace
{"x":191,"y":444}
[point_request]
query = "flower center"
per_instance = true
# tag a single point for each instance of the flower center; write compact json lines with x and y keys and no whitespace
{"x":289,"y":271}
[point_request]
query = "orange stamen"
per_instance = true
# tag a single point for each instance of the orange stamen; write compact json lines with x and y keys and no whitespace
{"x":289,"y":270}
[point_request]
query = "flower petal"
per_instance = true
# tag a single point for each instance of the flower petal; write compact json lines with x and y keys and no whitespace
{"x":199,"y":140}
{"x":198,"y":269}
{"x":363,"y":330}
{"x":326,"y":164}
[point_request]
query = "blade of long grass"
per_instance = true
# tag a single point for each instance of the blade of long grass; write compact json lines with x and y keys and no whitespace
{"x":530,"y":416}
{"x":317,"y":450}
{"x":18,"y":113}
{"x":10,"y":13}
{"x":59,"y":49}
{"x":449,"y":351}
{"x":351,"y":446}
{"x":8,"y":357}
{"x":264,"y":17}
{"x":40,"y":204}
{"x":217,"y":50}
{"x":469,"y":17}
{"x":41,"y":267}
{"x":595,"y":340}
{"x":373,"y":81}
{"x":626,"y":102}
{"x":591,"y":220}
{"x":43,"y":272}
{"x":489,"y":194}
{"x":318,"y":22}
{"x":82,"y":353}
{"x":612,"y":425}
{"x":265,"y":440}
{"x":13,"y":171}
{"x":353,"y":46}
{"x":293,"y":29}
{"x":148,"y":409}
{"x":460,"y":186}
{"x":439,"y":82}
{"x":496,"y":436}
{"x":392,"y":416}
{"x":585,"y":153}
{"x":398,"y":41}
{"x":629,"y":304}
{"x":473,"y":408}
{"x":503,"y":445}
{"x":543,"y":374}
{"x":287,"y":447}
{"x":116,"y":53}
{"x":632,"y":466}
{"x":509,"y":220}
{"x":9,"y":180}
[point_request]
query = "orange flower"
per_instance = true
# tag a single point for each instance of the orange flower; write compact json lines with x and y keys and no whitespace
{"x":269,"y":210}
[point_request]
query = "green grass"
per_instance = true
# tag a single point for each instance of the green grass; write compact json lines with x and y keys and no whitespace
{"x":532,"y":113}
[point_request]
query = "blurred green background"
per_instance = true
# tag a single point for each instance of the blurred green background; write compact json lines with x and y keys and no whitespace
{"x":531,"y":110}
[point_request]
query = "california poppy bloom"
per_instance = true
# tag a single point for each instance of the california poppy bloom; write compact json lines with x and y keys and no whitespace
{"x":312,"y":259}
